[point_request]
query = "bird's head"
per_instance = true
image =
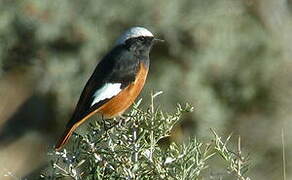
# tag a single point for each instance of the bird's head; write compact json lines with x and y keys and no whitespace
{"x":138,"y":39}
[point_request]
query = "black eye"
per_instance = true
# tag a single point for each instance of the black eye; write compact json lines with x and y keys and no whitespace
{"x":141,"y":38}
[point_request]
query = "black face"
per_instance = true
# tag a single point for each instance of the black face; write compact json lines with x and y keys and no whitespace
{"x":141,"y":45}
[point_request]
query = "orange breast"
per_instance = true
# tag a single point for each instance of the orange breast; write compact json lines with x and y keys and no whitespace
{"x":117,"y":105}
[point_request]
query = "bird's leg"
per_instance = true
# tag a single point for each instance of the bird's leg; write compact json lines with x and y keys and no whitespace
{"x":104,"y":123}
{"x":123,"y":118}
{"x":115,"y":122}
{"x":109,"y":126}
{"x":105,"y":127}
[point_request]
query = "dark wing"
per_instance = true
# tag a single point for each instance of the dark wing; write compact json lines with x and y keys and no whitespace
{"x":118,"y":66}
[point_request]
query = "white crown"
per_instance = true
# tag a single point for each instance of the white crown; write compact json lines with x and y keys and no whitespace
{"x":132,"y":33}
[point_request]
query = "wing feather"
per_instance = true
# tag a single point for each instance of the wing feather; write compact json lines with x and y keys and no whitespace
{"x":115,"y":72}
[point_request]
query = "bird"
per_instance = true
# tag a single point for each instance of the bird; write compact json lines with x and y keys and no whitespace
{"x":116,"y":81}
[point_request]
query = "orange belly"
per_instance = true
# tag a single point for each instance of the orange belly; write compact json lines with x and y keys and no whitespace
{"x":117,"y":105}
{"x":114,"y":107}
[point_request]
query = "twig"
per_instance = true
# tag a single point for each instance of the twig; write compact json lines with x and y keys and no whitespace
{"x":283,"y":154}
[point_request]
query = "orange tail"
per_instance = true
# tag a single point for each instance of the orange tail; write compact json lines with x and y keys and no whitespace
{"x":65,"y":137}
{"x":69,"y":131}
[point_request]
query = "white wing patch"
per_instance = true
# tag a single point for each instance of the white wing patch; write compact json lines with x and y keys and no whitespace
{"x":107,"y":91}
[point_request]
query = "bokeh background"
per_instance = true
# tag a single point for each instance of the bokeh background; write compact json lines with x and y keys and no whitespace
{"x":231,"y":59}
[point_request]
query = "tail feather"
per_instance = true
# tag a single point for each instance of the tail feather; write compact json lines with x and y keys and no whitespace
{"x":70,"y":129}
{"x":65,"y":137}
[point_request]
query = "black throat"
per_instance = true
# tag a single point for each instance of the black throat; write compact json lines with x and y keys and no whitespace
{"x":140,"y":47}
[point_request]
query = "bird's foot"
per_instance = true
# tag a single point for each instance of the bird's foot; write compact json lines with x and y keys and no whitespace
{"x":123,"y":118}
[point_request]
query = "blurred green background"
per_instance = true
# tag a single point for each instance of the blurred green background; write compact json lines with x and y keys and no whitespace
{"x":231,"y":59}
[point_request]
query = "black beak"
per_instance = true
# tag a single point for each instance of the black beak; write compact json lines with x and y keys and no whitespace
{"x":156,"y":40}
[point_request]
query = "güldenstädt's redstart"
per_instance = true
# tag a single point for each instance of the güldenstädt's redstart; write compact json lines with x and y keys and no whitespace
{"x":116,"y":81}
